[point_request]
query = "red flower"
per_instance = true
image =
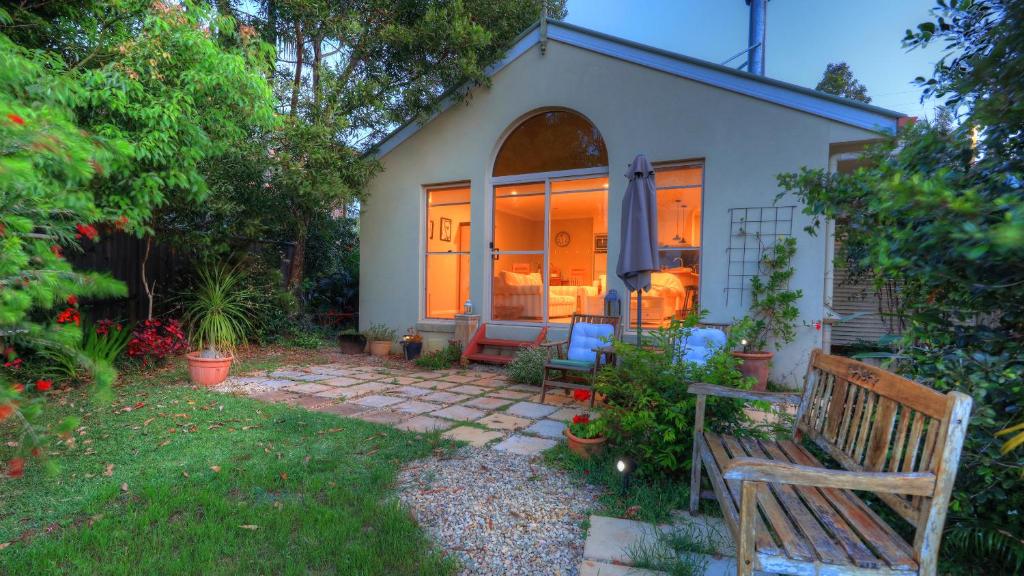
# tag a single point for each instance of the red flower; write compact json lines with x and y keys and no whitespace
{"x":121,"y":222}
{"x":72,"y":300}
{"x":817,"y":325}
{"x":16,"y":467}
{"x":16,"y":119}
{"x":581,"y":395}
{"x":44,"y":385}
{"x":69,"y":315}
{"x":581,"y":419}
{"x":86,"y":231}
{"x":56,"y":251}
{"x":17,"y":387}
{"x":5,"y":411}
{"x":36,"y":452}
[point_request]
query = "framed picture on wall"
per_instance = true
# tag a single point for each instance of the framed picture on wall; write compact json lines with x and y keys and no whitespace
{"x":430,"y":229}
{"x":600,"y":243}
{"x":446,"y":229}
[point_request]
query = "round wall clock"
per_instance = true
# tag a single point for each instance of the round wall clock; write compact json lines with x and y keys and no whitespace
{"x":562,"y":239}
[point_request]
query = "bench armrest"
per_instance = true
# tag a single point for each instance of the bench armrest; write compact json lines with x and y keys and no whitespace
{"x":763,"y":470}
{"x":555,"y":343}
{"x":701,"y":388}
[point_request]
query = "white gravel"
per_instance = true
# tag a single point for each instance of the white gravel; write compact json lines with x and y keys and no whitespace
{"x":499,"y":513}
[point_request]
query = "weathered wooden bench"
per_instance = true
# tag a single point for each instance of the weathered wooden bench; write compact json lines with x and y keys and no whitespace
{"x":790,"y":515}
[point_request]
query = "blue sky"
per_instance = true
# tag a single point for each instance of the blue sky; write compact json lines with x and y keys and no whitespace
{"x":803,"y":36}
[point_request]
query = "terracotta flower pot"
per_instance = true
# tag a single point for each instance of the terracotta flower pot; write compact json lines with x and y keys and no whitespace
{"x":380,"y":347}
{"x":756,"y":365}
{"x":208,"y":371}
{"x":585,"y":447}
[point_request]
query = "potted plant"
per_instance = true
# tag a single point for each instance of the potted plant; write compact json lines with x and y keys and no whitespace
{"x":380,"y":338}
{"x":351,"y":341}
{"x":412,"y":343}
{"x":218,"y":315}
{"x":585,"y":436}
{"x":773,"y":312}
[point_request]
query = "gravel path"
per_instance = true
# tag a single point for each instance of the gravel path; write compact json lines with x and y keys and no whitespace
{"x":500,"y":513}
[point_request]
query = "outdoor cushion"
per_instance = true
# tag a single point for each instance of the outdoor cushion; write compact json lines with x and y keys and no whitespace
{"x":570,"y":364}
{"x":700,"y":345}
{"x":585,"y":337}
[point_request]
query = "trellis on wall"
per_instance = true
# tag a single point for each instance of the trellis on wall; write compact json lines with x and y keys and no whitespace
{"x":752,"y":231}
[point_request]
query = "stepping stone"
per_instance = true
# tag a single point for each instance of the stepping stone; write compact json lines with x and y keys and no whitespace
{"x":400,"y":380}
{"x":502,"y":421}
{"x":329,"y":370}
{"x":488,"y":383}
{"x":594,"y":568}
{"x":612,"y":539}
{"x":525,"y":445}
{"x":426,"y":375}
{"x":510,"y":394}
{"x":530,"y":410}
{"x":475,"y":436}
{"x":382,"y":417}
{"x":276,"y":396}
{"x":423,"y":424}
{"x":558,"y":398}
{"x":375,"y":401}
{"x":469,"y":390}
{"x":310,"y":402}
{"x":486,"y":403}
{"x":446,"y":397}
{"x":343,"y":409}
{"x":287,"y":374}
{"x":276,"y":384}
{"x":459,"y":413}
{"x":367,"y":388}
{"x":310,"y":388}
{"x":444,"y":384}
{"x":341,"y":381}
{"x":459,"y":378}
{"x":567,"y":414}
{"x":525,"y":388}
{"x":410,"y":391}
{"x":415,"y":407}
{"x":246,"y":380}
{"x":333,"y":393}
{"x":313,"y":377}
{"x":547,"y":429}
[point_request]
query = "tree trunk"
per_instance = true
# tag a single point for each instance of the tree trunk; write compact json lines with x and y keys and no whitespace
{"x":297,"y":82}
{"x":317,"y":59}
{"x":150,"y":290}
{"x":298,"y":258}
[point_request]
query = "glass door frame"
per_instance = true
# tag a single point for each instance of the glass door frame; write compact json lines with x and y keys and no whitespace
{"x":492,"y":252}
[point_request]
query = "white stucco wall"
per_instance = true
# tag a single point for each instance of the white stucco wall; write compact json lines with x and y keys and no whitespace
{"x":744,"y":142}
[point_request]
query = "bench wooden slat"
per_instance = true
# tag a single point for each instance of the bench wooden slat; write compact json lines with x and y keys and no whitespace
{"x":792,"y":541}
{"x":901,"y":437}
{"x":918,"y":396}
{"x":876,"y":533}
{"x":824,"y":547}
{"x":762,"y":536}
{"x":865,"y":427}
{"x":881,"y":434}
{"x":836,"y":409}
{"x":851,"y":401}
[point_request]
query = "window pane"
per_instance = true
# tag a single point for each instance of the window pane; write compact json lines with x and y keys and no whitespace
{"x":557,"y":140}
{"x":678,"y":176}
{"x":518,"y":287}
{"x":447,"y":284}
{"x":447,"y":224}
{"x":519,"y":218}
{"x":578,"y":275}
{"x":599,"y":183}
{"x":449,"y":195}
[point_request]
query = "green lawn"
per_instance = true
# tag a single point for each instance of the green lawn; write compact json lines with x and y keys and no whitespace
{"x":293,"y":492}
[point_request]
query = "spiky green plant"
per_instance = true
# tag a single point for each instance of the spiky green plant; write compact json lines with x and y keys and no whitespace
{"x":220,"y":311}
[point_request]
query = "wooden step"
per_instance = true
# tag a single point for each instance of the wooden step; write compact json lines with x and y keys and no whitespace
{"x":500,"y":343}
{"x":489,"y":358}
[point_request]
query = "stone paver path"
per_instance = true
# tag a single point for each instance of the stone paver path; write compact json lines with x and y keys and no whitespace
{"x":475,"y":405}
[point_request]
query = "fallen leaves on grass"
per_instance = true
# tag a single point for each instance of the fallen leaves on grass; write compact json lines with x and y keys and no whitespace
{"x":108,"y":470}
{"x":249,"y":527}
{"x":215,"y":468}
{"x":124,"y":486}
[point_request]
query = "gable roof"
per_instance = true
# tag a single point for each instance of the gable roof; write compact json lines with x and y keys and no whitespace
{"x":778,"y":92}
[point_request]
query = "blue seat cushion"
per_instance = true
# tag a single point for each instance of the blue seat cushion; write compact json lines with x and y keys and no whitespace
{"x":700,"y":345}
{"x":585,"y":337}
{"x":570,"y":364}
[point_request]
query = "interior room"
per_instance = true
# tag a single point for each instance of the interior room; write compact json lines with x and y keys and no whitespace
{"x":447,"y":232}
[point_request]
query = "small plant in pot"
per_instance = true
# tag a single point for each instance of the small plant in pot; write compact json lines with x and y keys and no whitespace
{"x":218,"y":315}
{"x":412,"y":344}
{"x":586,"y":437}
{"x":351,"y":341}
{"x":773,"y":312}
{"x":380,"y":338}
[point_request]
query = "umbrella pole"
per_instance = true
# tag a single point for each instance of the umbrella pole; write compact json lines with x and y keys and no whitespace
{"x":639,"y":315}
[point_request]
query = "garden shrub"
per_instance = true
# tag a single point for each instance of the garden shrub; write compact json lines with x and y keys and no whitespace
{"x":441,"y":359}
{"x":650,"y":414}
{"x":154,"y":340}
{"x":528,"y":366}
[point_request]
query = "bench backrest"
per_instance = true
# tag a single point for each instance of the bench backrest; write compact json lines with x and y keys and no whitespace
{"x":872,"y":420}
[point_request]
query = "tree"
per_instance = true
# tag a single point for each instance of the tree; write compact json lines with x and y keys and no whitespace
{"x":838,"y":80}
{"x":941,"y":212}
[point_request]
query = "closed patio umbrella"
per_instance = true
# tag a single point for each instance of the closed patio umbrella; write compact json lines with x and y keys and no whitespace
{"x":638,"y":255}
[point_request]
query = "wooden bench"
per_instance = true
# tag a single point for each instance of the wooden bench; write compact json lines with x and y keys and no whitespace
{"x":790,"y":515}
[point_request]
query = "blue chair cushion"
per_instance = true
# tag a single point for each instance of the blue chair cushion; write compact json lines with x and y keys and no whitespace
{"x":700,"y":345}
{"x":570,"y":364}
{"x":585,"y":337}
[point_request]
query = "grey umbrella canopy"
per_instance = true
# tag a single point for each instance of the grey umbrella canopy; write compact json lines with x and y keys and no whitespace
{"x":638,"y":254}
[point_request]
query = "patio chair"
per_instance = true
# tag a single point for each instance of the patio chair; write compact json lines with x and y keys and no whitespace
{"x":582,"y":354}
{"x":700,"y":345}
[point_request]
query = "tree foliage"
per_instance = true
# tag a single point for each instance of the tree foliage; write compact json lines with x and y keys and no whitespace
{"x":943,"y":216}
{"x":838,"y":80}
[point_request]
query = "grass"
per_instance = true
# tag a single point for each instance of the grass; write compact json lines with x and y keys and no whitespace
{"x":190,"y":481}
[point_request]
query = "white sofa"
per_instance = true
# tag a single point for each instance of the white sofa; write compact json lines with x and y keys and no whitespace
{"x":522,"y":292}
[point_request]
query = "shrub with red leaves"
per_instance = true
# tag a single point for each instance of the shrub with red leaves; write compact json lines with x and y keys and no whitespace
{"x":154,"y":340}
{"x":69,"y":315}
{"x":86,"y":231}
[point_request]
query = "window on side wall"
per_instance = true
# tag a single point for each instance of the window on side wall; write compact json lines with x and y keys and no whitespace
{"x":446,"y":262}
{"x":675,"y":287}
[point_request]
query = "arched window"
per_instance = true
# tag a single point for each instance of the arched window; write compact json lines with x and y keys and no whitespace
{"x":551,"y":141}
